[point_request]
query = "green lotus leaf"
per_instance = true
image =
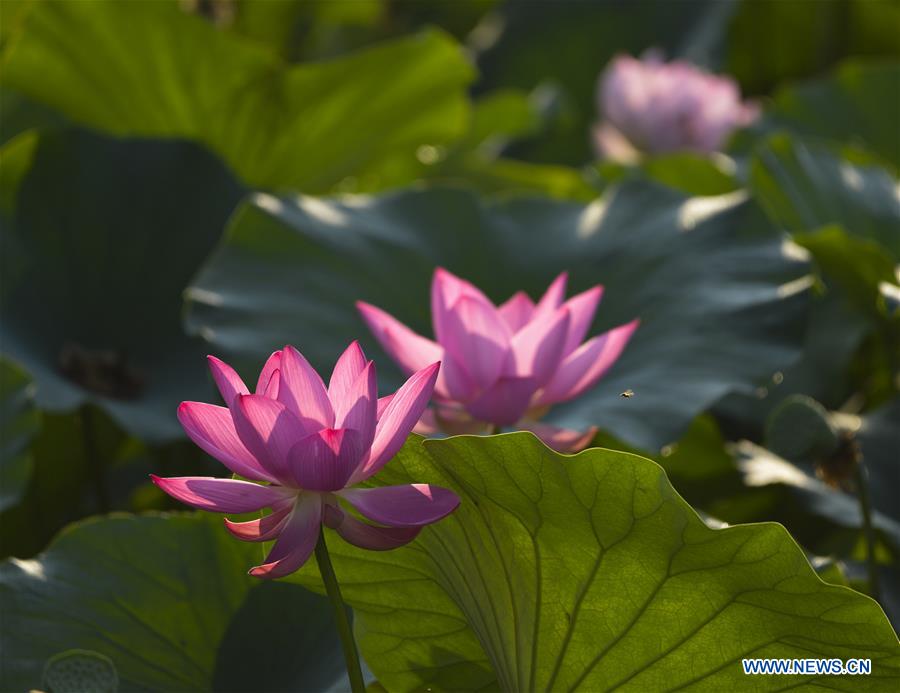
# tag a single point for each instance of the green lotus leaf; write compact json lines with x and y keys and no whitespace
{"x":589,"y":572}
{"x":150,"y":69}
{"x":167,"y":599}
{"x":720,"y":299}
{"x":105,"y":235}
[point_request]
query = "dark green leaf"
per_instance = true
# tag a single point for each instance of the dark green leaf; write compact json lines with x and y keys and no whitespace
{"x":107,"y":234}
{"x":708,"y":277}
{"x":281,"y":639}
{"x":808,"y":189}
{"x":168,"y":600}
{"x":805,"y":187}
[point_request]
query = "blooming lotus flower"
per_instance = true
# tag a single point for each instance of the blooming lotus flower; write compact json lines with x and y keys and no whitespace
{"x":303,"y":446}
{"x":507,"y":365}
{"x":655,"y":107}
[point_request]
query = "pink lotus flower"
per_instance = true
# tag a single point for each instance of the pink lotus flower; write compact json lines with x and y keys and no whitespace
{"x":656,"y":107}
{"x":503,"y":366}
{"x":303,"y":446}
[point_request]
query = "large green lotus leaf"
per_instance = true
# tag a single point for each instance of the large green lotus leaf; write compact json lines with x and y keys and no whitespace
{"x":150,"y":69}
{"x":709,"y":278}
{"x":475,"y":161}
{"x":589,"y":572}
{"x":858,"y":104}
{"x":106,"y":234}
{"x":19,"y":421}
{"x":167,"y":598}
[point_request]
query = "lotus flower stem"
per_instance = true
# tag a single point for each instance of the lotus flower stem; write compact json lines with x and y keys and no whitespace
{"x":862,"y":491}
{"x":351,"y":655}
{"x":92,"y":454}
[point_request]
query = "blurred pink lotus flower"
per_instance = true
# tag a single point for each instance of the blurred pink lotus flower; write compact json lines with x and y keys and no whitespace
{"x":303,"y":446}
{"x":655,"y":107}
{"x":503,"y":366}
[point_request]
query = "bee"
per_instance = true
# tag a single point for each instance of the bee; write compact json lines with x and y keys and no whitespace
{"x":628,"y":394}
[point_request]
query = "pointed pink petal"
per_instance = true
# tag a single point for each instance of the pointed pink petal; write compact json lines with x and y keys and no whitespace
{"x":477,"y":337}
{"x":348,"y":366}
{"x":537,"y":349}
{"x":411,"y":351}
{"x":517,"y":311}
{"x":382,"y":405}
{"x":561,"y":439}
{"x":297,"y":540}
{"x":586,"y":365}
{"x":273,"y":363}
{"x":272,"y":388}
{"x":221,"y":495}
{"x":368,"y":536}
{"x":227,"y":380}
{"x":504,"y":403}
{"x":552,"y":298}
{"x":325,"y":460}
{"x":356,"y":407}
{"x":212,"y":429}
{"x":446,"y":290}
{"x":581,"y":311}
{"x":398,"y":420}
{"x":410,"y":505}
{"x":269,"y":430}
{"x":262,"y":529}
{"x":302,"y":390}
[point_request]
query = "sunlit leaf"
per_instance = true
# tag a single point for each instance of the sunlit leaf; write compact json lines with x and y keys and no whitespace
{"x":589,"y":573}
{"x":150,"y":69}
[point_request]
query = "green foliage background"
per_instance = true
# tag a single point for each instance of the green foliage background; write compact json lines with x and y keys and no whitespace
{"x":180,"y":177}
